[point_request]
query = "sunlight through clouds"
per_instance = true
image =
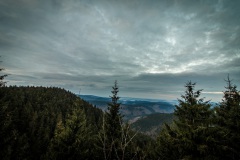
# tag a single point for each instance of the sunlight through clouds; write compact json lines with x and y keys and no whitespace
{"x":103,"y":40}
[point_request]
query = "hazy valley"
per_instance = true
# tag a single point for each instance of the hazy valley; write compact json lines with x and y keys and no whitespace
{"x":144,"y":115}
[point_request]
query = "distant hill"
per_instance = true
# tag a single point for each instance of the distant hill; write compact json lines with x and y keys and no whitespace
{"x":152,"y":124}
{"x":133,"y":108}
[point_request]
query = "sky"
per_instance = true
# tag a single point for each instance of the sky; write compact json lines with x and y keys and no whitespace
{"x":151,"y":47}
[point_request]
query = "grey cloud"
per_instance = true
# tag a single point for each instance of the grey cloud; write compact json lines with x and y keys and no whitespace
{"x":91,"y":43}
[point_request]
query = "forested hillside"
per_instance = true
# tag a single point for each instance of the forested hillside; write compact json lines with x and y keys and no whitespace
{"x":153,"y":123}
{"x":52,"y":123}
{"x":119,"y":79}
{"x":32,"y":118}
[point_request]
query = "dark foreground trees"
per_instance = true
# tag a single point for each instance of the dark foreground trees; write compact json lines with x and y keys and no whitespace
{"x":190,"y":135}
{"x":51,"y":123}
{"x":200,"y":132}
{"x":111,"y":130}
{"x":2,"y":83}
{"x":74,"y":140}
{"x":117,"y":139}
{"x":43,"y":123}
{"x":113,"y":117}
{"x":228,"y":122}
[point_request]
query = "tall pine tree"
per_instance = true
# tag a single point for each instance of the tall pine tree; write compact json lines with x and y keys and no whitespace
{"x":5,"y":121}
{"x":2,"y":83}
{"x":112,"y":127}
{"x":190,"y":135}
{"x":228,"y":121}
{"x":113,"y":116}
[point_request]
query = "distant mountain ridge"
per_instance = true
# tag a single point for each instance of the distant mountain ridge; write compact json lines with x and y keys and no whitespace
{"x":133,"y":108}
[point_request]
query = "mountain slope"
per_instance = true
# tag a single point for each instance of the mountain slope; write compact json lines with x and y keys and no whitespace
{"x":30,"y":115}
{"x":133,"y":107}
{"x":151,"y":124}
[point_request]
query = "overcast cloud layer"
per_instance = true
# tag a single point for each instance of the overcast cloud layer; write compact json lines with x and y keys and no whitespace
{"x":151,"y":47}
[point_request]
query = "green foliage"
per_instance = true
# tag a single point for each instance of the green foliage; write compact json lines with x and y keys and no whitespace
{"x":192,"y":110}
{"x":117,"y":140}
{"x":153,"y":123}
{"x":228,"y":121}
{"x":2,"y":83}
{"x":113,"y":116}
{"x":200,"y":132}
{"x":52,"y":123}
{"x":29,"y":118}
{"x":72,"y":140}
{"x":190,"y":136}
{"x":111,"y":130}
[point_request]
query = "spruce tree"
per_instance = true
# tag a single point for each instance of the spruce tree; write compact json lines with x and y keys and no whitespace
{"x":112,"y":127}
{"x":190,"y":135}
{"x":113,"y":116}
{"x":228,"y":121}
{"x":2,"y":83}
{"x":193,"y":110}
{"x":5,"y":122}
{"x":72,"y":140}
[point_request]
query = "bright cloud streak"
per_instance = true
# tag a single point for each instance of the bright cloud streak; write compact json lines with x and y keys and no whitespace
{"x":147,"y":45}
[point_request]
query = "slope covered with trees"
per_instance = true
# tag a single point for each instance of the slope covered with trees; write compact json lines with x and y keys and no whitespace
{"x":52,"y":123}
{"x":35,"y":121}
{"x":153,"y":123}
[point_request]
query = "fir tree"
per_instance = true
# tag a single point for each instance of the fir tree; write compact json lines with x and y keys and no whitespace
{"x":34,"y":118}
{"x":2,"y":83}
{"x":5,"y":122}
{"x":193,"y":110}
{"x":112,"y":127}
{"x":113,"y":116}
{"x":190,"y":136}
{"x":228,"y":121}
{"x":72,"y":140}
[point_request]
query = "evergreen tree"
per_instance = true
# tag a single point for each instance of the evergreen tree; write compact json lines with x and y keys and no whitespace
{"x":30,"y":117}
{"x":190,"y":135}
{"x":5,"y":122}
{"x":228,"y":121}
{"x":2,"y":83}
{"x":112,"y":127}
{"x":113,"y":116}
{"x":72,"y":140}
{"x":192,"y":110}
{"x":117,"y":139}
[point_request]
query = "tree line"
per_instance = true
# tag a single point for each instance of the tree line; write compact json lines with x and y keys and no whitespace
{"x":52,"y":123}
{"x":201,"y":131}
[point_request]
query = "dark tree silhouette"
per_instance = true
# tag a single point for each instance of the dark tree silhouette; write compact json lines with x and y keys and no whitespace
{"x":2,"y":83}
{"x":190,"y":135}
{"x":228,"y":121}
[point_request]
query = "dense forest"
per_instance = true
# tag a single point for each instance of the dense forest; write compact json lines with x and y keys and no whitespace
{"x":52,"y":123}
